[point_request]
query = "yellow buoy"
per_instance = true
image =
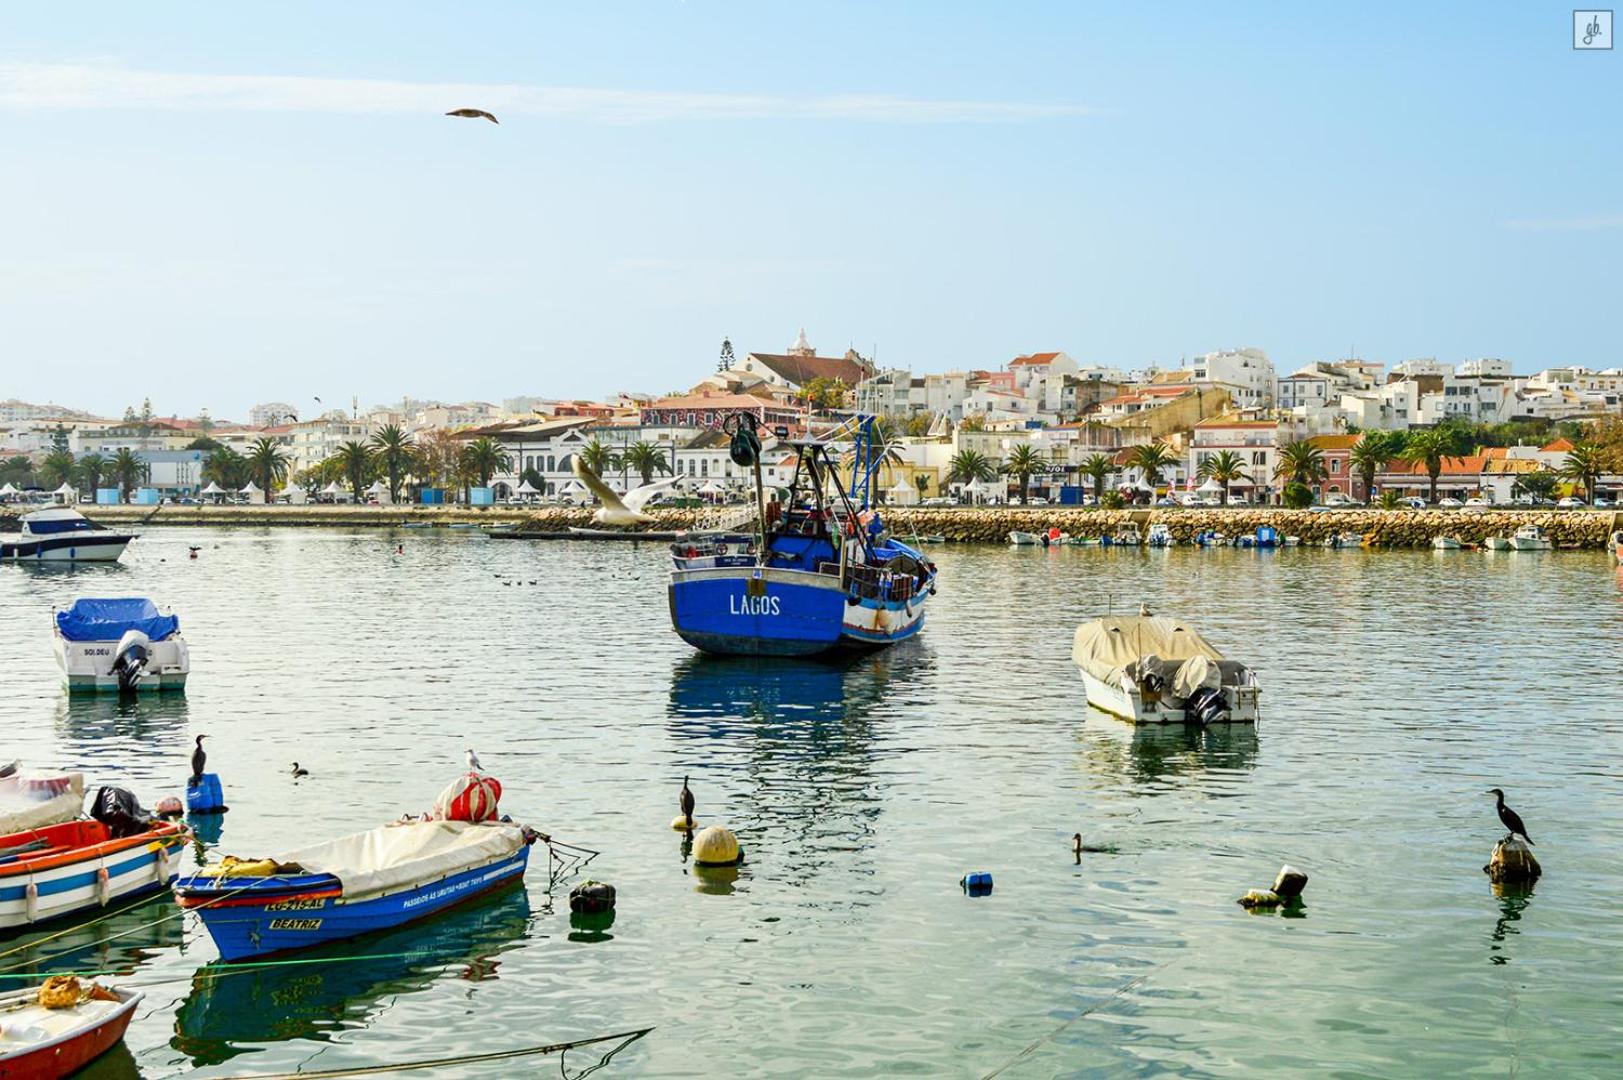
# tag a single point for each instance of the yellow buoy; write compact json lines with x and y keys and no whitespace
{"x":680,"y":823}
{"x":716,"y":846}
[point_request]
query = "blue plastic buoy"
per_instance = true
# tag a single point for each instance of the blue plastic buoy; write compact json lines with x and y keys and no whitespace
{"x":977,"y":884}
{"x":205,"y":796}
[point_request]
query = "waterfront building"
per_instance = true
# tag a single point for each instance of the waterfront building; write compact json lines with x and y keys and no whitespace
{"x":1256,"y":441}
{"x":271,"y":413}
{"x":1339,"y":477}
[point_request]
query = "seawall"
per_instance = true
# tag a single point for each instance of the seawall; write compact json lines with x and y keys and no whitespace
{"x":1389,"y":528}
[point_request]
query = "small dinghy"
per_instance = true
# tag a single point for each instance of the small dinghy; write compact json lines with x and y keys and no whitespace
{"x":1154,"y":670}
{"x":374,"y":880}
{"x":57,"y":1029}
{"x":1530,"y":538}
{"x":1496,"y":543}
{"x":120,"y":645}
{"x":1445,"y":543}
{"x":1020,"y":538}
{"x":60,"y":871}
{"x":1159,"y":536}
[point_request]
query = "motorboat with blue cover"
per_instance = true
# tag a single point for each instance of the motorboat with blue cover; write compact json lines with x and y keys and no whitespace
{"x":62,"y":534}
{"x":375,"y":880}
{"x":820,"y":572}
{"x":120,"y":644}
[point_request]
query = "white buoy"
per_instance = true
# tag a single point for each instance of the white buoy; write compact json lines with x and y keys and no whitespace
{"x":717,"y":846}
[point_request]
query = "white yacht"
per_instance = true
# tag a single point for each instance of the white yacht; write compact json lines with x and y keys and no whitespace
{"x":62,"y":534}
{"x":1530,"y":538}
{"x":122,"y":644}
{"x":1154,"y":670}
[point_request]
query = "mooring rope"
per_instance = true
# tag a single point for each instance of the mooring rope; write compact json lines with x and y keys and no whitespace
{"x":1032,"y":1048}
{"x":627,"y":1037}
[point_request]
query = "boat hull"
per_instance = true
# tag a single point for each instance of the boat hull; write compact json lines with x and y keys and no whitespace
{"x":245,"y":928}
{"x":751,"y":611}
{"x":1129,"y":706}
{"x":87,"y":666}
{"x":69,"y":547}
{"x":69,"y":1052}
{"x":75,"y":886}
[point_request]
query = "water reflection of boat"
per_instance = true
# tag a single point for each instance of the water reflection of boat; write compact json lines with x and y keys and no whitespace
{"x":120,"y":943}
{"x":1148,"y":752}
{"x":105,"y":718}
{"x":729,"y":694}
{"x":230,"y":1006}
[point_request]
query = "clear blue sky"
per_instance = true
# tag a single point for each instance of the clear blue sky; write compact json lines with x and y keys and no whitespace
{"x":953,"y":184}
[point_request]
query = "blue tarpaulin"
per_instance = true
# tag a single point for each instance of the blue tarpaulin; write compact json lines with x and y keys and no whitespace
{"x":106,"y":620}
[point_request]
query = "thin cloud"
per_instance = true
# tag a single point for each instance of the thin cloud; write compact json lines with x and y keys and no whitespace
{"x":1572,"y":224}
{"x":104,"y":86}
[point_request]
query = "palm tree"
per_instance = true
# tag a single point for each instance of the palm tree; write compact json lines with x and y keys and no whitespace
{"x":1300,"y":462}
{"x":394,"y":454}
{"x":483,"y":458}
{"x":1151,"y":459}
{"x":1585,"y":462}
{"x":1428,"y":448}
{"x":90,"y":470}
{"x":1223,"y":467}
{"x":267,"y":465}
{"x":1369,"y":456}
{"x":1021,"y":463}
{"x":597,"y":457}
{"x":970,"y":466}
{"x":226,"y":467}
{"x":1099,"y":467}
{"x":354,"y":462}
{"x":57,"y":468}
{"x":127,"y":470}
{"x":645,"y":459}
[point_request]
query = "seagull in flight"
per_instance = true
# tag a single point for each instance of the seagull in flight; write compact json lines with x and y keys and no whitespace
{"x":473,"y":761}
{"x":473,"y":114}
{"x":621,"y":509}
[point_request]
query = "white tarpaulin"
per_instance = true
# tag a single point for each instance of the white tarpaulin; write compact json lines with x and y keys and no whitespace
{"x":30,"y":802}
{"x":403,"y":856}
{"x":1104,"y":647}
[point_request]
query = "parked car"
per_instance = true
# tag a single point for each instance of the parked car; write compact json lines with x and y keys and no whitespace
{"x":1569,"y":503}
{"x":1603,"y":504}
{"x":1477,"y":502}
{"x":1450,"y":503}
{"x":1414,"y":502}
{"x":1166,"y":500}
{"x":1036,"y":500}
{"x":938,"y":500}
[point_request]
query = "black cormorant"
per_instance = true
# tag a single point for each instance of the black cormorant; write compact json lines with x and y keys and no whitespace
{"x":1511,"y":819}
{"x":199,"y":759}
{"x":686,"y":802}
{"x":298,"y":772}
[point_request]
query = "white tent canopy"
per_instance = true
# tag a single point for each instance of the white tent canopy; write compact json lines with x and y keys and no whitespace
{"x":1211,"y":487}
{"x":8,"y":490}
{"x":332,"y":488}
{"x":212,"y":489}
{"x":712,"y":488}
{"x":65,"y":489}
{"x":378,"y":487}
{"x":250,"y":488}
{"x":526,"y":488}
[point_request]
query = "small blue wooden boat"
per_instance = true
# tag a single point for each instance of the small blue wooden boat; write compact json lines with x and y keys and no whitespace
{"x":371,"y":881}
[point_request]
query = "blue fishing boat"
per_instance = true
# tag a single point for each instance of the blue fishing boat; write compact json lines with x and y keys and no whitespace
{"x":819,"y":573}
{"x":371,"y":881}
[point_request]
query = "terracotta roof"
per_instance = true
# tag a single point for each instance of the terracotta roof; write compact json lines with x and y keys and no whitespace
{"x":1496,"y":453}
{"x":1335,"y":442}
{"x":1559,"y":446}
{"x":1452,"y":466}
{"x":710,"y":401}
{"x":1039,"y":359}
{"x":801,"y":370}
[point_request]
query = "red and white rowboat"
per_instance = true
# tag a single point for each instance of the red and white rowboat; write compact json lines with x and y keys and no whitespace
{"x":37,"y":1043}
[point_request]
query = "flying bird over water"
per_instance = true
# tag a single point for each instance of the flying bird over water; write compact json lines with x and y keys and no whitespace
{"x":473,"y":114}
{"x":473,"y":761}
{"x":199,"y":759}
{"x":1511,"y":819}
{"x":620,"y":509}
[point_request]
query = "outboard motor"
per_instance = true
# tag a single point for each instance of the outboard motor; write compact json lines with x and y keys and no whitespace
{"x":120,"y":811}
{"x":130,"y":661}
{"x":1205,"y":706}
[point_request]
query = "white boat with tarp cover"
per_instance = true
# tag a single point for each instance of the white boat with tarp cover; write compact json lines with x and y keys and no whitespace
{"x":62,"y":534}
{"x":1151,"y":669}
{"x":120,"y":644}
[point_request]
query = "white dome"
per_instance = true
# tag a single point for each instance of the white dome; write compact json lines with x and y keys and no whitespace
{"x":802,"y":347}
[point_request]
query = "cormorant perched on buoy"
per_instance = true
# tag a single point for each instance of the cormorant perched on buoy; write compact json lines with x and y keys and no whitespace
{"x":199,"y":759}
{"x":686,"y":802}
{"x":298,"y":772}
{"x":1076,"y":844}
{"x":1511,"y":819}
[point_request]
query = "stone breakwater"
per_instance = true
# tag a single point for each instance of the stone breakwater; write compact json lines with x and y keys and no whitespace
{"x":1386,"y":528}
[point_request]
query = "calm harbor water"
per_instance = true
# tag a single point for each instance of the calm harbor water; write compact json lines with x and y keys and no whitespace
{"x":1397,"y":686}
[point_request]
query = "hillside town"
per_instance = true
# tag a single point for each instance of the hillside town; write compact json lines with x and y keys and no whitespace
{"x":1225,"y":428}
